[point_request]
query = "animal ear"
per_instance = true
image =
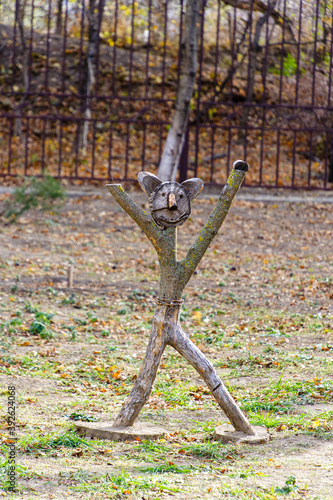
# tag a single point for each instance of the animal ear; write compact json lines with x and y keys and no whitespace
{"x":194,"y":187}
{"x":148,"y":182}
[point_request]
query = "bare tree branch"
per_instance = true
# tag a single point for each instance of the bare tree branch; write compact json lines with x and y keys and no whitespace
{"x":253,"y":65}
{"x":260,"y":6}
{"x":206,"y":370}
{"x":215,"y":220}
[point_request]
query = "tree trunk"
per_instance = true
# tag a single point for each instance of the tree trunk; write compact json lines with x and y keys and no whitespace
{"x":94,"y":16}
{"x":164,"y":318}
{"x":330,"y":164}
{"x":260,"y":6}
{"x":254,"y":49}
{"x":168,"y":166}
{"x":206,"y":370}
{"x":20,"y":9}
{"x":59,"y":17}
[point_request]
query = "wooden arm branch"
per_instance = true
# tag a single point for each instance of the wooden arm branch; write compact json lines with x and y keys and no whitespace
{"x":163,"y":241}
{"x":215,"y":220}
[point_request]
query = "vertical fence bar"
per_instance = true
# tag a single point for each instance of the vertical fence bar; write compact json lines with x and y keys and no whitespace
{"x":46,"y":82}
{"x":315,"y":55}
{"x":183,"y":160}
{"x":43,"y":146}
{"x":165,"y":35}
{"x":114,"y":52}
{"x":264,"y":97}
{"x":11,"y":121}
{"x":217,"y":41}
{"x":293,"y":162}
{"x":110,"y":153}
{"x":233,"y":52}
{"x":247,"y":104}
{"x":80,"y":91}
{"x":17,"y":5}
{"x":277,"y":158}
{"x":310,"y":159}
{"x":329,"y":143}
{"x":32,"y":12}
{"x":229,"y":151}
{"x":131,"y":50}
{"x":63,"y":64}
{"x":81,"y":43}
{"x":127,"y":149}
{"x":298,"y":73}
{"x":180,"y":40}
{"x":93,"y":148}
{"x":165,"y":39}
{"x":26,"y":146}
{"x":282,"y":51}
{"x":60,"y":148}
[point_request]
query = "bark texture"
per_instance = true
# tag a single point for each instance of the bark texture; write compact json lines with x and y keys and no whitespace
{"x":166,"y":329}
{"x":94,"y":16}
{"x":174,"y":143}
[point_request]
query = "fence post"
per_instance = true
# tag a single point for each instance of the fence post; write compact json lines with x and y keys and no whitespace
{"x":183,"y":161}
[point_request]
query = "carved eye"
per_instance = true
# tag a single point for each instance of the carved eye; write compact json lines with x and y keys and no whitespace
{"x":181,"y":196}
{"x":163,"y":194}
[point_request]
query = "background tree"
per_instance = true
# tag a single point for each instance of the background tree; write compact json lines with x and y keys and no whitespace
{"x":94,"y":16}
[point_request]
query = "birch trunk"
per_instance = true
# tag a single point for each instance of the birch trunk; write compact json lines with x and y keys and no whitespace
{"x":20,"y":8}
{"x":94,"y":15}
{"x":175,"y":140}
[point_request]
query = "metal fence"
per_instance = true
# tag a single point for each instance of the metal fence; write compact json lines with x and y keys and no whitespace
{"x":88,"y":89}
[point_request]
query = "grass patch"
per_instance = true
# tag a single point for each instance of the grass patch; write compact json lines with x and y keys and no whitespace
{"x":122,"y":484}
{"x":51,"y":441}
{"x":170,"y":468}
{"x":34,"y":193}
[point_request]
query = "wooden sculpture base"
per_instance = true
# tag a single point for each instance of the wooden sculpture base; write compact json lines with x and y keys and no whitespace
{"x":226,"y":434}
{"x":105,"y":430}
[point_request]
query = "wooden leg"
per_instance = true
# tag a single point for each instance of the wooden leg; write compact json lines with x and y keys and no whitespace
{"x":181,"y":342}
{"x":164,"y":320}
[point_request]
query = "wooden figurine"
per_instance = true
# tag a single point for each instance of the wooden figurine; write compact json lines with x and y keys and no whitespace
{"x":170,"y":207}
{"x":169,"y":202}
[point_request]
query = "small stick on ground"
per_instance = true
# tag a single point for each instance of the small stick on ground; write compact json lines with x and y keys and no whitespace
{"x":70,"y":275}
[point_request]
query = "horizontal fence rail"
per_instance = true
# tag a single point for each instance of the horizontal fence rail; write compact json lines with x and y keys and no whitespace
{"x":88,"y":89}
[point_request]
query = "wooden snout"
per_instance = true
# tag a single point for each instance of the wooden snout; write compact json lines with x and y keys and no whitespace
{"x":172,"y":202}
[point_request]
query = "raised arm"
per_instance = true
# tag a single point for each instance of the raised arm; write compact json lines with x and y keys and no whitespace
{"x":215,"y":220}
{"x":143,"y":220}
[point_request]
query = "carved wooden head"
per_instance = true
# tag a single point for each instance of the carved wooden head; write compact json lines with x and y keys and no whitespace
{"x":169,"y":202}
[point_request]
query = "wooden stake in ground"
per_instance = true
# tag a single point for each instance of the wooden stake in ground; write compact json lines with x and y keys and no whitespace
{"x":70,"y":274}
{"x":170,"y":207}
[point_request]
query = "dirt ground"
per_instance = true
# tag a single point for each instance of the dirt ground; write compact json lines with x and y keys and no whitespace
{"x":260,"y":306}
